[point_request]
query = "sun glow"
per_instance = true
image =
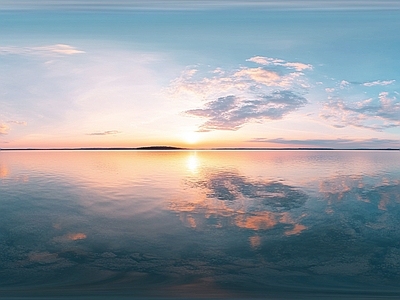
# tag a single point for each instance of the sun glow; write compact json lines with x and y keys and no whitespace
{"x":191,"y":137}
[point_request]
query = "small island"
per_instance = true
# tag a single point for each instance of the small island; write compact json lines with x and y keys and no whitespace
{"x":160,"y":148}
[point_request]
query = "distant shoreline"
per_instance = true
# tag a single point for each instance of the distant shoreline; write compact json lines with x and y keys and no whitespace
{"x":170,"y":148}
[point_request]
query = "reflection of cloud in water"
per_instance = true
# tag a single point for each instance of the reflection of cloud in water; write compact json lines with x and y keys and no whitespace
{"x":226,"y":198}
{"x":71,"y":237}
{"x":230,"y":186}
{"x":380,"y":192}
{"x":76,"y":236}
{"x":263,"y":220}
{"x":385,"y":196}
{"x":298,"y":228}
{"x":267,"y":220}
{"x":43,"y":257}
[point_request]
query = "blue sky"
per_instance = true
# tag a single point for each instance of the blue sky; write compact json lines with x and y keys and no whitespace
{"x":199,"y":73}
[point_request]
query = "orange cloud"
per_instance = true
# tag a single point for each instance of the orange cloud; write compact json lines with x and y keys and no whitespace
{"x":266,"y":77}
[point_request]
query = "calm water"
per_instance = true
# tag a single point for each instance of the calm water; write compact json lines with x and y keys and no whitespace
{"x":272,"y":224}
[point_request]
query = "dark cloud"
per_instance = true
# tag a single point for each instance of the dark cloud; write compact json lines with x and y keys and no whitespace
{"x":333,"y":143}
{"x":231,"y":112}
{"x":110,"y":132}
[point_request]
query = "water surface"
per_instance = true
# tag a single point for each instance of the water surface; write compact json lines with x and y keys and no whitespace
{"x":213,"y":224}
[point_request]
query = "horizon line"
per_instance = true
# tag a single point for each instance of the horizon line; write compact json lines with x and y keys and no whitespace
{"x":173,"y":148}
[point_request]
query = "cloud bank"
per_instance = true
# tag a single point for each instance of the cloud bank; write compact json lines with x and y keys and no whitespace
{"x":230,"y":112}
{"x":233,"y":98}
{"x":374,"y":113}
{"x":331,"y":143}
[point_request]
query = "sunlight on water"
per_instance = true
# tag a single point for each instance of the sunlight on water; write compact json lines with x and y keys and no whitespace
{"x":200,"y":223}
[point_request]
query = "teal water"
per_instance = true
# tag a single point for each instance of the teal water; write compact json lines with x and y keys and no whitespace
{"x":205,"y":224}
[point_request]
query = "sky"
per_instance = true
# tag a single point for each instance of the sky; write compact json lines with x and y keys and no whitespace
{"x":201,"y":74}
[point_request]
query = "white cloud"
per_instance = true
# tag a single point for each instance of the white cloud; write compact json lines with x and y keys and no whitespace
{"x":59,"y":49}
{"x":344,"y":84}
{"x":379,"y":82}
{"x":266,"y":77}
{"x":262,"y":60}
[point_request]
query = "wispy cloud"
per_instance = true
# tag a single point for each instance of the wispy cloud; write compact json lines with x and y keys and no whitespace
{"x":235,"y":97}
{"x":17,"y":122}
{"x":265,"y":77}
{"x":262,"y":60}
{"x":4,"y":128}
{"x":109,"y":132}
{"x":378,"y":82}
{"x":58,"y":49}
{"x":332,"y":143}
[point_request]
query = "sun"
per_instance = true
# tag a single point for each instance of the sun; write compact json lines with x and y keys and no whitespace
{"x":191,"y":137}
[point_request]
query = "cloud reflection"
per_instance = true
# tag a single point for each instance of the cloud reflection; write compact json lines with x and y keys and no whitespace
{"x":224,"y":198}
{"x":76,"y":236}
{"x":345,"y":189}
{"x":230,"y":185}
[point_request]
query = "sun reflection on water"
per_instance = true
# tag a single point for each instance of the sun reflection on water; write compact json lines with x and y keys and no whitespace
{"x":4,"y":172}
{"x":192,"y":163}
